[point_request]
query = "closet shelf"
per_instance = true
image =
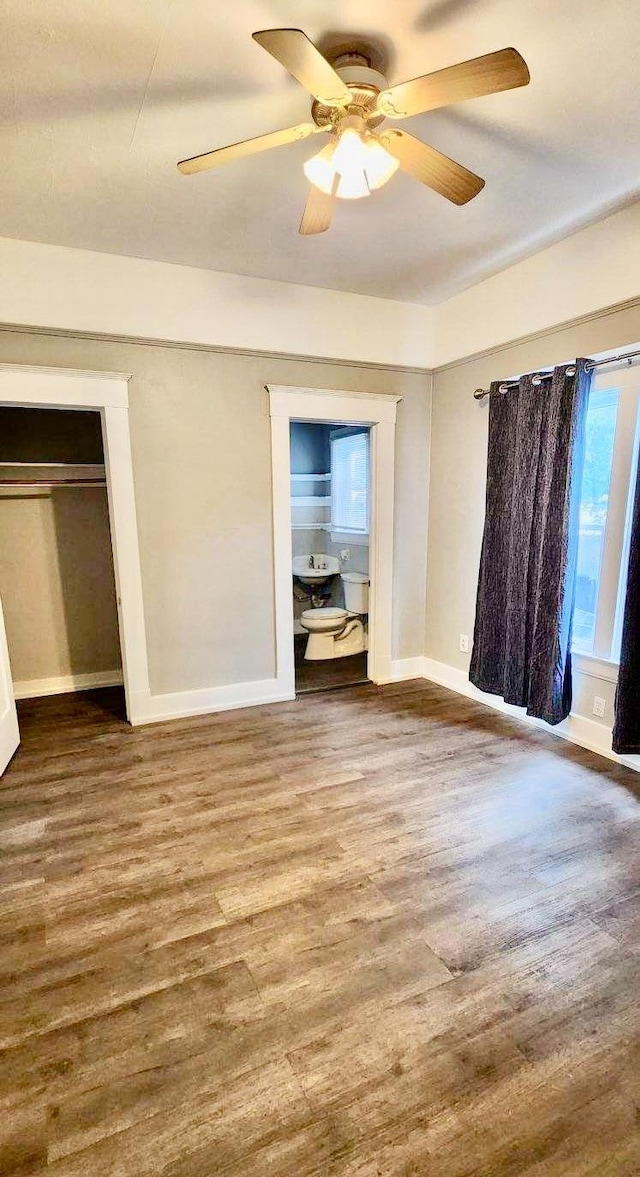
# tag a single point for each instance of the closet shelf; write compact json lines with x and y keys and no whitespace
{"x":311,"y":527}
{"x":311,"y":500}
{"x":311,"y":477}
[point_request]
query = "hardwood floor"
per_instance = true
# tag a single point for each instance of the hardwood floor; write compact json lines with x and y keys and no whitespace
{"x":380,"y":932}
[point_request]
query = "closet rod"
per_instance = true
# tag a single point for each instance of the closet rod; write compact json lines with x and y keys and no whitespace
{"x":17,"y":484}
{"x":627,"y":356}
{"x":54,"y":465}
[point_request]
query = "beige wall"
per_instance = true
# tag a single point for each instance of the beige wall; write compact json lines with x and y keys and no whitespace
{"x":53,"y":286}
{"x":202,"y":467}
{"x":56,"y":584}
{"x":458,"y":480}
{"x":580,"y":275}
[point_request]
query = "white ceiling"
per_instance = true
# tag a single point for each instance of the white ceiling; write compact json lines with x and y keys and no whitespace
{"x":101,"y":100}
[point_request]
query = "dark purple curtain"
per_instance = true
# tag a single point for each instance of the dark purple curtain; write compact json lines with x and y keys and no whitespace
{"x":626,"y":728}
{"x":526,"y":585}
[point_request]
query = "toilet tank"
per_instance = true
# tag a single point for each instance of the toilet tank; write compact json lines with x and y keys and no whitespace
{"x":356,"y":591}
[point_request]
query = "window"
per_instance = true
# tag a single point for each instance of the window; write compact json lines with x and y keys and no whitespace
{"x":607,"y":488}
{"x":350,"y":481}
{"x":600,"y":436}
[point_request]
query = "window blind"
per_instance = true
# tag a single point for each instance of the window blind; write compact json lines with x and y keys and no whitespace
{"x":350,"y":482}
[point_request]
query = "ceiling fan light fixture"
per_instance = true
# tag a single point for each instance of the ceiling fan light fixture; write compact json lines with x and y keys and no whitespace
{"x":352,"y":185}
{"x":350,"y":159}
{"x":353,"y":164}
{"x":380,"y":166}
{"x":338,"y":170}
{"x":351,"y":152}
{"x":320,"y":169}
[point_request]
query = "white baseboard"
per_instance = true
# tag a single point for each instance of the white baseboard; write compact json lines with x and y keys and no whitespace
{"x":36,"y":688}
{"x":181,"y":704}
{"x":577,"y":729}
{"x":405,"y":668}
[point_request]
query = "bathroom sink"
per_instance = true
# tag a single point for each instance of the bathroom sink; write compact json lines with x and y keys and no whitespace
{"x":315,"y":569}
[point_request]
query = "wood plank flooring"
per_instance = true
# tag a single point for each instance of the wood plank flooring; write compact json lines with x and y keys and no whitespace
{"x":381,"y":932}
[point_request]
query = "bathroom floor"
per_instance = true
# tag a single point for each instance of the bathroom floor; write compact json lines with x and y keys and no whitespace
{"x":329,"y":674}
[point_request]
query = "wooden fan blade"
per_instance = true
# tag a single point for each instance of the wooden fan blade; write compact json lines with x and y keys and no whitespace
{"x":211,"y":159}
{"x":503,"y":70}
{"x":318,"y":212}
{"x":293,"y":49}
{"x":432,"y":168}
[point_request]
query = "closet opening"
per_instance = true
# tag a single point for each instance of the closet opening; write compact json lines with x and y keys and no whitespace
{"x":57,"y":582}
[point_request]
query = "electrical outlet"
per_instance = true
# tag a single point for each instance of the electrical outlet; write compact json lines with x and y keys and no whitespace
{"x":599,"y":705}
{"x":345,"y":554}
{"x":464,"y":643}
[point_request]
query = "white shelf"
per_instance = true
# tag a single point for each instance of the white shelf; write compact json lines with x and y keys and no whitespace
{"x":311,"y":500}
{"x":311,"y":527}
{"x":311,"y":477}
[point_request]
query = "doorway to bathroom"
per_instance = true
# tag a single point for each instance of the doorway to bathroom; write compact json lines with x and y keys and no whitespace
{"x":330,"y":520}
{"x":354,"y":501}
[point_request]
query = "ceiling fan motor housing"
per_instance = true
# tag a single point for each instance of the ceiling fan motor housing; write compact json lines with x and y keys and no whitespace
{"x":364,"y":83}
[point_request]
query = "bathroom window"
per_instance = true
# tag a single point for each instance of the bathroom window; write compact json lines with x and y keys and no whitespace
{"x":350,"y":481}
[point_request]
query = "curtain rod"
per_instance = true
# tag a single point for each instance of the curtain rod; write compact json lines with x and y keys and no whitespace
{"x":628,"y":356}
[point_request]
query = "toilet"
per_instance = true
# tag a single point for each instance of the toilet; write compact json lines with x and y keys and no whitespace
{"x":336,"y":633}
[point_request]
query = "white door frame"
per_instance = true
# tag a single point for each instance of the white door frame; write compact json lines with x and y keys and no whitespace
{"x":345,"y":408}
{"x":106,"y":392}
{"x":9,"y":733}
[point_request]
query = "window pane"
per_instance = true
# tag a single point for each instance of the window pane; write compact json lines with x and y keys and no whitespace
{"x":350,"y":482}
{"x":626,"y":546}
{"x":600,"y":436}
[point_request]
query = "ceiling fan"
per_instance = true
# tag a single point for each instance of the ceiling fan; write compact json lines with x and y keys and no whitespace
{"x":351,"y":101}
